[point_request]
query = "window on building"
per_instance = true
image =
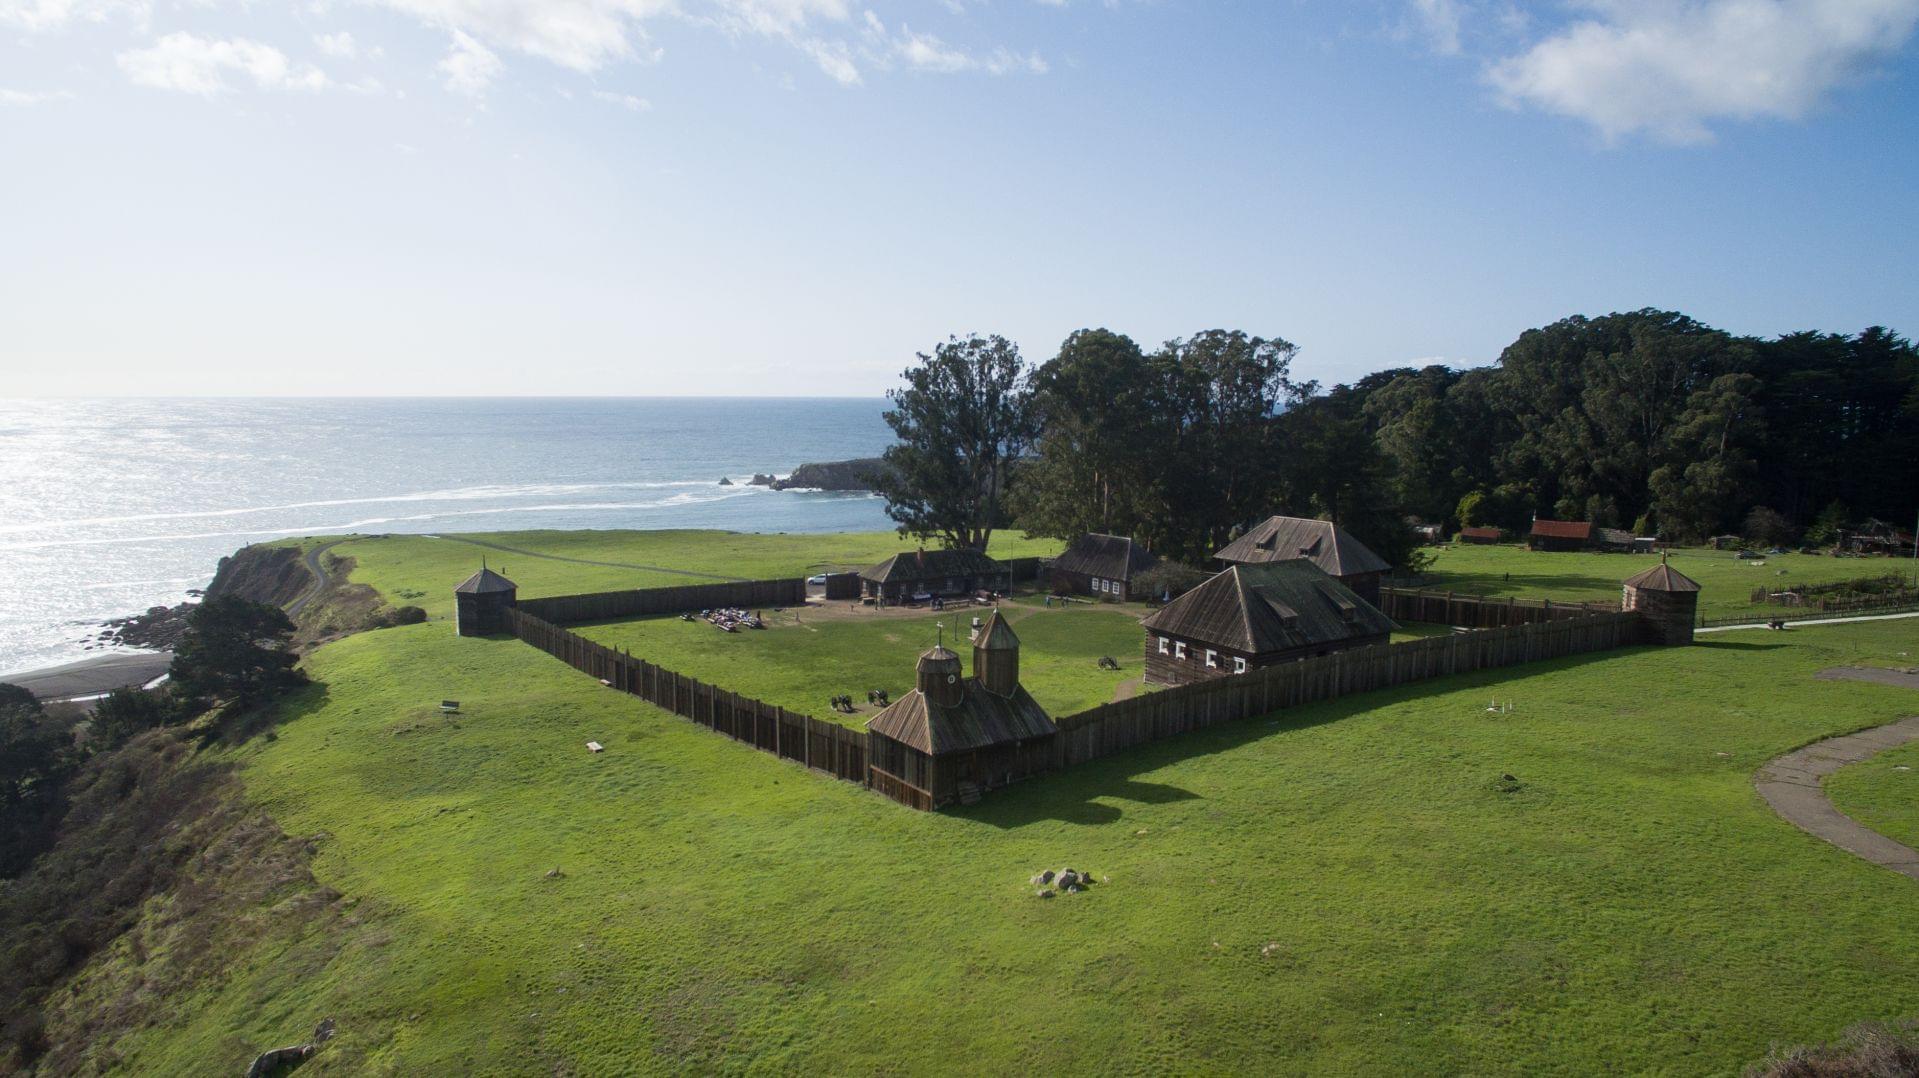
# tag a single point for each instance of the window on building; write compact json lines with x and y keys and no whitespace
{"x":1239,"y":665}
{"x":1165,"y":645}
{"x":1179,"y":649}
{"x":1212,"y":659}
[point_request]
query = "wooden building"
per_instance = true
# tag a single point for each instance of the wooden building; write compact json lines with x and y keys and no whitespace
{"x":1482,"y":536}
{"x":1328,"y":546}
{"x":934,"y":573}
{"x":1560,"y":535}
{"x":1249,"y":616}
{"x":481,"y":601}
{"x":1616,"y":540}
{"x":1667,"y":600}
{"x":1102,"y":566}
{"x":954,"y":737}
{"x":1877,"y":537}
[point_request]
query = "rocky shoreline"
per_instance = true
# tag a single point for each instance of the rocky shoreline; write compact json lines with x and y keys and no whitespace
{"x":861,"y":474}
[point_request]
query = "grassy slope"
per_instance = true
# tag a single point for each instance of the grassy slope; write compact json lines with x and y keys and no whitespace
{"x":1726,"y":582}
{"x":1339,"y":888}
{"x":422,"y":570}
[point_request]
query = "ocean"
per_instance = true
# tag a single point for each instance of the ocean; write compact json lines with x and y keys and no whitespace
{"x":109,"y":507}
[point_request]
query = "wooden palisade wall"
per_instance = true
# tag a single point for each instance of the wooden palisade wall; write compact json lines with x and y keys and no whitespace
{"x":1110,"y":728}
{"x":1531,"y":632}
{"x":644,"y":602}
{"x":822,"y":746}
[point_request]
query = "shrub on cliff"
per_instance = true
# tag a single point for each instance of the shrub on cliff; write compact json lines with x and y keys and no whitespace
{"x":126,"y":713}
{"x":236,"y":652}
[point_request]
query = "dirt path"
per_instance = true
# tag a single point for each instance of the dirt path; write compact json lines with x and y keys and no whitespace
{"x":1127,"y":689}
{"x":589,"y":561}
{"x":1791,"y":784}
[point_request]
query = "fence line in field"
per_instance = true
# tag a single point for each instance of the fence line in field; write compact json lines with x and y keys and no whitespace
{"x":1528,"y":632}
{"x":1110,"y":728}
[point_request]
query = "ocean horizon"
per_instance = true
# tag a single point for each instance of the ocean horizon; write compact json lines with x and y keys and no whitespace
{"x":111,"y":506}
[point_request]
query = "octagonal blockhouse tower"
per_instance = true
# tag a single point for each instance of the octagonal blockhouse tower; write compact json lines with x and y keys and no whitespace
{"x":481,"y":602}
{"x":1667,"y":602}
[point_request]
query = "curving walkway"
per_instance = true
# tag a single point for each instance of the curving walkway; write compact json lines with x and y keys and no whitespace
{"x":1791,"y":783}
{"x":321,"y":581}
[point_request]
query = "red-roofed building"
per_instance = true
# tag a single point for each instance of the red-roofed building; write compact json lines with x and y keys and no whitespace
{"x":1560,"y":535}
{"x":1482,"y":536}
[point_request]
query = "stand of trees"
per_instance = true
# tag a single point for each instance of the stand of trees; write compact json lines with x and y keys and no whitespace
{"x":1647,"y":420}
{"x":236,"y":653}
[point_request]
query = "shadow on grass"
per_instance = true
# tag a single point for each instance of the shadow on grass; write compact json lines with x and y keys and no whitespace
{"x":1080,"y":795}
{"x":1737,"y":645}
{"x":237,"y":729}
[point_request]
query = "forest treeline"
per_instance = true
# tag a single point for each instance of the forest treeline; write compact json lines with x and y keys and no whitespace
{"x":1648,"y":420}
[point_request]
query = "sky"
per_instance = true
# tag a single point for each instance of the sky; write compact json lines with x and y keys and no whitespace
{"x":793,"y":197}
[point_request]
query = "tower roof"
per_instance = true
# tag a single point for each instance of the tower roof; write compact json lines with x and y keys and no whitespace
{"x":1663,"y":577}
{"x":939,"y":657}
{"x":995,"y":634}
{"x":484,"y":582}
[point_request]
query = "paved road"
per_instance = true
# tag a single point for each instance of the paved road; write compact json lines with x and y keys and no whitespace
{"x":1815,"y":621}
{"x":321,"y":581}
{"x":589,"y":561}
{"x":1791,"y":784}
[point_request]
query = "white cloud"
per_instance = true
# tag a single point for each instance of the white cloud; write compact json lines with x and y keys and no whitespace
{"x":1437,"y":23}
{"x":583,"y":35}
{"x":36,"y":15}
{"x":1671,"y":69}
{"x":340,"y":45}
{"x":196,"y":65}
{"x":469,"y":66}
{"x":625,"y":101}
{"x":33,"y":97}
{"x":927,"y":52}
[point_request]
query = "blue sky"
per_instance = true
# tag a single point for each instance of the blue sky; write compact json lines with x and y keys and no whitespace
{"x":794,"y":196}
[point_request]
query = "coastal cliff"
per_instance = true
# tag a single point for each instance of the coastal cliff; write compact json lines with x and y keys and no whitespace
{"x":836,"y":475}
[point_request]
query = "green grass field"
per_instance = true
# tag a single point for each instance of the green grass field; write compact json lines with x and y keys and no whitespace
{"x":809,"y":656}
{"x":1883,"y":792}
{"x":422,"y":569}
{"x":1726,"y":583}
{"x":1344,"y":887}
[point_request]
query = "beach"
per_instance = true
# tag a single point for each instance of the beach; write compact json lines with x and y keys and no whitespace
{"x":93,"y":676}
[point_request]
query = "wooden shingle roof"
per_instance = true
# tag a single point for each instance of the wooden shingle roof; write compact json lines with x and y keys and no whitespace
{"x":1563,"y":529}
{"x":930,"y":565}
{"x":1482,"y":533}
{"x":483,"y":582}
{"x":995,"y":634}
{"x":980,"y":720}
{"x":1663,"y":577}
{"x":1277,"y":606}
{"x":1321,"y":542}
{"x":1112,"y":557}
